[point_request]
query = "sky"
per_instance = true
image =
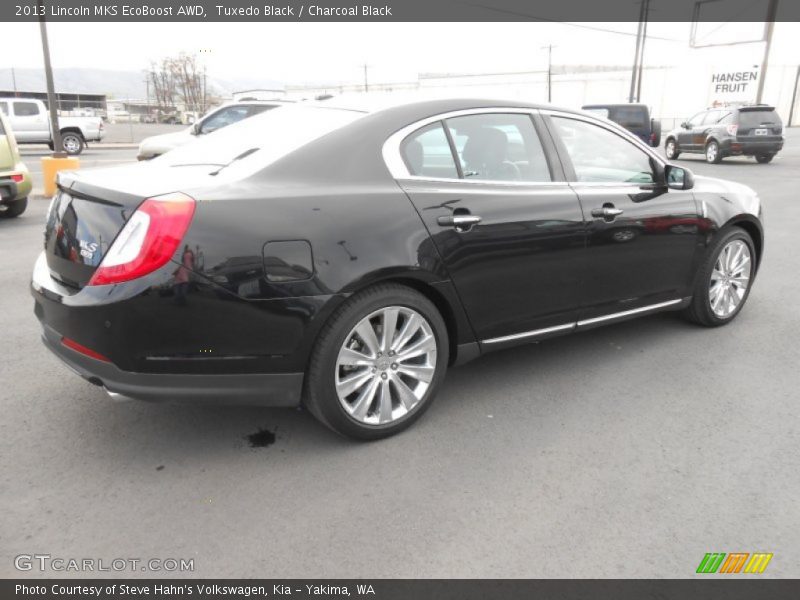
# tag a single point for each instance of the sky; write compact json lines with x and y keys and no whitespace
{"x":296,"y":53}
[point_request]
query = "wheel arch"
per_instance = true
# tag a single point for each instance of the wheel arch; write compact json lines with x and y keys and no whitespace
{"x":753,"y":229}
{"x":72,"y":129}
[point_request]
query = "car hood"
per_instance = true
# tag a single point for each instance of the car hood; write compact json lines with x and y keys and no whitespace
{"x":158,"y":144}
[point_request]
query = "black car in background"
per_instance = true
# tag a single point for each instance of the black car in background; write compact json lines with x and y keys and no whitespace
{"x":633,"y":117}
{"x":343,"y":256}
{"x":754,"y":130}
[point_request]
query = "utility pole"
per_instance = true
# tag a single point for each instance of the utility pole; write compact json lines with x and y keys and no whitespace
{"x":549,"y":72}
{"x":772,"y":10}
{"x":58,"y":150}
{"x":640,"y":32}
{"x":366,"y":82}
{"x":641,"y":51}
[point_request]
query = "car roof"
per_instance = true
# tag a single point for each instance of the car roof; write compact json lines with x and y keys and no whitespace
{"x":414,"y":103}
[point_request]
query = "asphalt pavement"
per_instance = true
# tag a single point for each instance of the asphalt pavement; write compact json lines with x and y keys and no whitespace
{"x":626,"y":451}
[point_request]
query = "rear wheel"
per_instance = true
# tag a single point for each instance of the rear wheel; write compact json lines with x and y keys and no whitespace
{"x":764,"y":158}
{"x":72,"y":143}
{"x":671,"y":149}
{"x":13,"y":209}
{"x":724,"y":280}
{"x":378,"y":363}
{"x":713,"y":155}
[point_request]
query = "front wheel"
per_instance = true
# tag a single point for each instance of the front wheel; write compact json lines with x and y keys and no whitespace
{"x":764,"y":158}
{"x":72,"y":143}
{"x":671,"y":149}
{"x":378,"y":363}
{"x":724,"y":280}
{"x":713,"y":155}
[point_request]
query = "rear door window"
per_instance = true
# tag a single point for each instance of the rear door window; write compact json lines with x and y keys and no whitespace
{"x":499,"y":147}
{"x":26,"y":109}
{"x":426,"y":153}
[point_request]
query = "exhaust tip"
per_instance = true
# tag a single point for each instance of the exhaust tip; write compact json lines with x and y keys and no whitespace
{"x":115,"y":396}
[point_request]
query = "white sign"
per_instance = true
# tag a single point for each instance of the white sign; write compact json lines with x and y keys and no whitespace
{"x":734,"y":86}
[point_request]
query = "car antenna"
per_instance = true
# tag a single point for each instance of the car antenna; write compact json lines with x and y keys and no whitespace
{"x":244,"y":154}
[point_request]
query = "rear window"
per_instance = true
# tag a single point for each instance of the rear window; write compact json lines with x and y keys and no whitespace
{"x":260,"y":140}
{"x":634,"y":116}
{"x":754,"y":118}
{"x":26,"y":109}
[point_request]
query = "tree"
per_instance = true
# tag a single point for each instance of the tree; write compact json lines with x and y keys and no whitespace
{"x":179,"y":79}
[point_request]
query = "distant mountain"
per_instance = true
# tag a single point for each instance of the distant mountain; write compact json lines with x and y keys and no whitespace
{"x":119,"y":85}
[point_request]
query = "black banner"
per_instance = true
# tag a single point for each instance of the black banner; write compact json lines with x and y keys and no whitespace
{"x":395,"y":10}
{"x":402,"y":589}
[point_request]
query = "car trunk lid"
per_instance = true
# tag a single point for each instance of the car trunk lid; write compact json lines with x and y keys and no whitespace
{"x":91,"y":208}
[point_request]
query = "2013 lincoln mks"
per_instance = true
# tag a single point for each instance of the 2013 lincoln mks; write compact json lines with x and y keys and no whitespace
{"x":343,"y":257}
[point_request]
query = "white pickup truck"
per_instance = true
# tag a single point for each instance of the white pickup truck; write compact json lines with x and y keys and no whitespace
{"x":31,"y":124}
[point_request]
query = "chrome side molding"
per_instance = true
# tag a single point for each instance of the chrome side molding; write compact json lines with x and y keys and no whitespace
{"x":584,"y":322}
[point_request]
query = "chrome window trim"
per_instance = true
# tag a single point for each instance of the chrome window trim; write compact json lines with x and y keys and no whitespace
{"x":584,"y":322}
{"x":397,"y":166}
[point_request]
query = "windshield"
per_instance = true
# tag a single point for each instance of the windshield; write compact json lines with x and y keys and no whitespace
{"x":272,"y":134}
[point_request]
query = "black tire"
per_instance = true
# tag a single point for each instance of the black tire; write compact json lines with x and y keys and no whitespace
{"x":717,"y":154}
{"x":320,"y":396}
{"x":655,"y":127}
{"x":72,"y":143}
{"x":671,"y":149}
{"x":14,"y":209}
{"x":764,"y":158}
{"x":699,"y":311}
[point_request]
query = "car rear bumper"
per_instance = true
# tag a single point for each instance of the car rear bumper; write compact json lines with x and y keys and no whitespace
{"x":262,"y":389}
{"x":735,"y":148}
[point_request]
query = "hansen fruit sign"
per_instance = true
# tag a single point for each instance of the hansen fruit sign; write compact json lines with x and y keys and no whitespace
{"x":734,"y":85}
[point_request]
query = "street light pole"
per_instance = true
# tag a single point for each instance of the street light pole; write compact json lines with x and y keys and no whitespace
{"x":58,"y":150}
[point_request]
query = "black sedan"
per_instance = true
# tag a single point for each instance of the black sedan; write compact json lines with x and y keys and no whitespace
{"x":342,"y":257}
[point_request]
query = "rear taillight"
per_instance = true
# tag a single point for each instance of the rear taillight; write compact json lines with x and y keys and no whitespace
{"x":732,"y":128}
{"x":148,"y":240}
{"x":73,"y":345}
{"x":17,"y":177}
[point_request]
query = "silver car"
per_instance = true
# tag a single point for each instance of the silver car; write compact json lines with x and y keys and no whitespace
{"x":225,"y":115}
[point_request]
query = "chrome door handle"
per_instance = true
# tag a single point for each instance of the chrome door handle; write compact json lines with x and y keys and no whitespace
{"x":459,"y":220}
{"x":606,"y":212}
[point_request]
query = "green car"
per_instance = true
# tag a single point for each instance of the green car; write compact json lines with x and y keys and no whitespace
{"x":15,"y":181}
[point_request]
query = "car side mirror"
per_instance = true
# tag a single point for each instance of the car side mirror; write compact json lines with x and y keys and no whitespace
{"x":685,"y":124}
{"x":196,"y":128}
{"x":678,"y":178}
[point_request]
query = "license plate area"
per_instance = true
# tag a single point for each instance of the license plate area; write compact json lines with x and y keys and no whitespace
{"x":761,"y":132}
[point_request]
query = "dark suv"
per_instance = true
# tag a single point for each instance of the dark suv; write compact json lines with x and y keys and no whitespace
{"x":732,"y":131}
{"x":633,"y":117}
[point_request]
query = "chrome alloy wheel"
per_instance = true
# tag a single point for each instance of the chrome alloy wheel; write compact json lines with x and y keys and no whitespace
{"x":386,"y":364}
{"x":711,"y":152}
{"x":730,"y":278}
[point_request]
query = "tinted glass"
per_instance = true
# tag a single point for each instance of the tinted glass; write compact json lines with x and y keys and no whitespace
{"x":4,"y":107}
{"x":2,"y":129}
{"x":598,"y":155}
{"x":499,"y":147}
{"x":754,"y":118}
{"x":697,"y":119}
{"x":426,"y":153}
{"x":26,"y":109}
{"x":257,"y":109}
{"x":630,"y":117}
{"x":712,"y":117}
{"x":224,"y":117}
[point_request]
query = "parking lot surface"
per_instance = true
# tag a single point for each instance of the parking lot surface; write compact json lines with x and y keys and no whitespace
{"x":625,"y":451}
